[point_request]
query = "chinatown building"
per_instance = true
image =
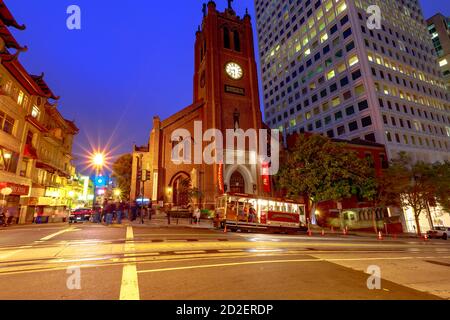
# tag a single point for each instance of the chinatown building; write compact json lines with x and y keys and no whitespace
{"x":36,"y":173}
{"x":226,"y":97}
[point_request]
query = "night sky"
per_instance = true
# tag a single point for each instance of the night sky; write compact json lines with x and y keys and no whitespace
{"x":130,"y":61}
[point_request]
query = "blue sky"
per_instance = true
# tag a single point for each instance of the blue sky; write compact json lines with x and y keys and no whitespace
{"x":130,"y":61}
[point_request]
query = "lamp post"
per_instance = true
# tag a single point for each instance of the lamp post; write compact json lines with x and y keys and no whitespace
{"x":5,"y":192}
{"x":98,"y":160}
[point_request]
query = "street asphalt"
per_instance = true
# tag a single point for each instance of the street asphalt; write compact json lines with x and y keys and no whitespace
{"x":131,"y":262}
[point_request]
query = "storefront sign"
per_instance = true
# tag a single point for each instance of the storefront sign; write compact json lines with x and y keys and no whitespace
{"x":17,"y":189}
{"x":52,"y":193}
{"x":220,"y":179}
{"x":266,"y":177}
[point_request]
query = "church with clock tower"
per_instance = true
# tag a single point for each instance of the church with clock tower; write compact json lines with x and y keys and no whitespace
{"x":225,"y":96}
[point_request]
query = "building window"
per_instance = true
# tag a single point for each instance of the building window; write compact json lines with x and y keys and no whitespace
{"x":349,"y":111}
{"x":8,"y":160}
{"x":353,"y":60}
{"x":6,"y":123}
{"x":366,"y":122}
{"x":237,"y":41}
{"x":35,"y":112}
{"x":226,"y":38}
{"x":363,"y":105}
{"x":20,"y":98}
{"x":353,"y":126}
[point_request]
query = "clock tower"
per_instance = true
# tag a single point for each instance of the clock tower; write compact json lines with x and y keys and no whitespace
{"x":226,"y":75}
{"x":226,"y":97}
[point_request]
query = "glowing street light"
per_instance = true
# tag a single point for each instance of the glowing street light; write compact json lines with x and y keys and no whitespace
{"x":117,"y":193}
{"x":98,"y":160}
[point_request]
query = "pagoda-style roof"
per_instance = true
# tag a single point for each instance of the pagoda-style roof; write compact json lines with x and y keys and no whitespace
{"x":16,"y":69}
{"x":8,"y":38}
{"x":7,"y":17}
{"x":72,"y":126}
{"x":68,"y":126}
{"x":44,"y":87}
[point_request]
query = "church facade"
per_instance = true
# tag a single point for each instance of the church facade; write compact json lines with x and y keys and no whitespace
{"x":226,"y":97}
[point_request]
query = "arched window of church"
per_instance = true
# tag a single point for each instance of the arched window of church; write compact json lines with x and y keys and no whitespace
{"x":226,"y":38}
{"x":237,"y":41}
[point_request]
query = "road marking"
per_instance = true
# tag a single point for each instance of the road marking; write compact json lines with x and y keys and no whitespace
{"x":70,"y":229}
{"x":221,"y":265}
{"x":129,"y":289}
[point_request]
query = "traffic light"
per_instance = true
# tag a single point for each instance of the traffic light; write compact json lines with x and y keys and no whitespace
{"x":147,"y":176}
{"x":139,"y":175}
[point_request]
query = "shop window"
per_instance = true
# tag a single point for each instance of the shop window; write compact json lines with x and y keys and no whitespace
{"x":8,"y":160}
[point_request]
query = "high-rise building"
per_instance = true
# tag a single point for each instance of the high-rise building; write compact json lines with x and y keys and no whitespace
{"x":439,"y":28}
{"x":328,"y":67}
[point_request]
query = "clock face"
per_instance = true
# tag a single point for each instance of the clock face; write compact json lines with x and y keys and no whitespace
{"x":234,"y":70}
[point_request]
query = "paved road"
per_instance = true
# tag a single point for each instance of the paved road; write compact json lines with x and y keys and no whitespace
{"x":141,"y":262}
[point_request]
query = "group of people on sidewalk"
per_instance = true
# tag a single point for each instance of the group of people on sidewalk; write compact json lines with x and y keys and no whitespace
{"x":116,"y":212}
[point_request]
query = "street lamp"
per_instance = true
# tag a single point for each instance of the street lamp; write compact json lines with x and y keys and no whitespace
{"x":98,"y":160}
{"x":5,"y":192}
{"x":117,"y":193}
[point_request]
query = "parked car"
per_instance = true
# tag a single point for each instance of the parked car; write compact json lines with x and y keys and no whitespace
{"x":439,"y":233}
{"x":80,"y":215}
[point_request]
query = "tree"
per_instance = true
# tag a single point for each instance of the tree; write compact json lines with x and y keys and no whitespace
{"x":325,"y":170}
{"x":414,"y":184}
{"x":441,"y":182}
{"x":188,"y":192}
{"x":122,"y":171}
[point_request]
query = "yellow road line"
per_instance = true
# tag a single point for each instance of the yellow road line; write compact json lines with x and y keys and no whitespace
{"x":189,"y":252}
{"x":129,"y":289}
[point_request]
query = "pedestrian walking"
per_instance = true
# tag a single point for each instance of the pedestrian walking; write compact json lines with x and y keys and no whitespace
{"x":134,"y":211}
{"x":120,"y":212}
{"x":142,"y":212}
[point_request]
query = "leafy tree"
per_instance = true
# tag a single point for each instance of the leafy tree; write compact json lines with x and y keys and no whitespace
{"x":188,"y":192}
{"x":414,"y":183}
{"x":325,"y":170}
{"x":441,"y":182}
{"x":122,"y":171}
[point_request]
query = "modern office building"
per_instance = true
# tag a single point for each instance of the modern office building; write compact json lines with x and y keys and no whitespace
{"x":439,"y":28}
{"x":327,"y":67}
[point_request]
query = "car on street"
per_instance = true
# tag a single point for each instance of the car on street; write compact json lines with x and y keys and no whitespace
{"x":80,"y":215}
{"x":439,"y":233}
